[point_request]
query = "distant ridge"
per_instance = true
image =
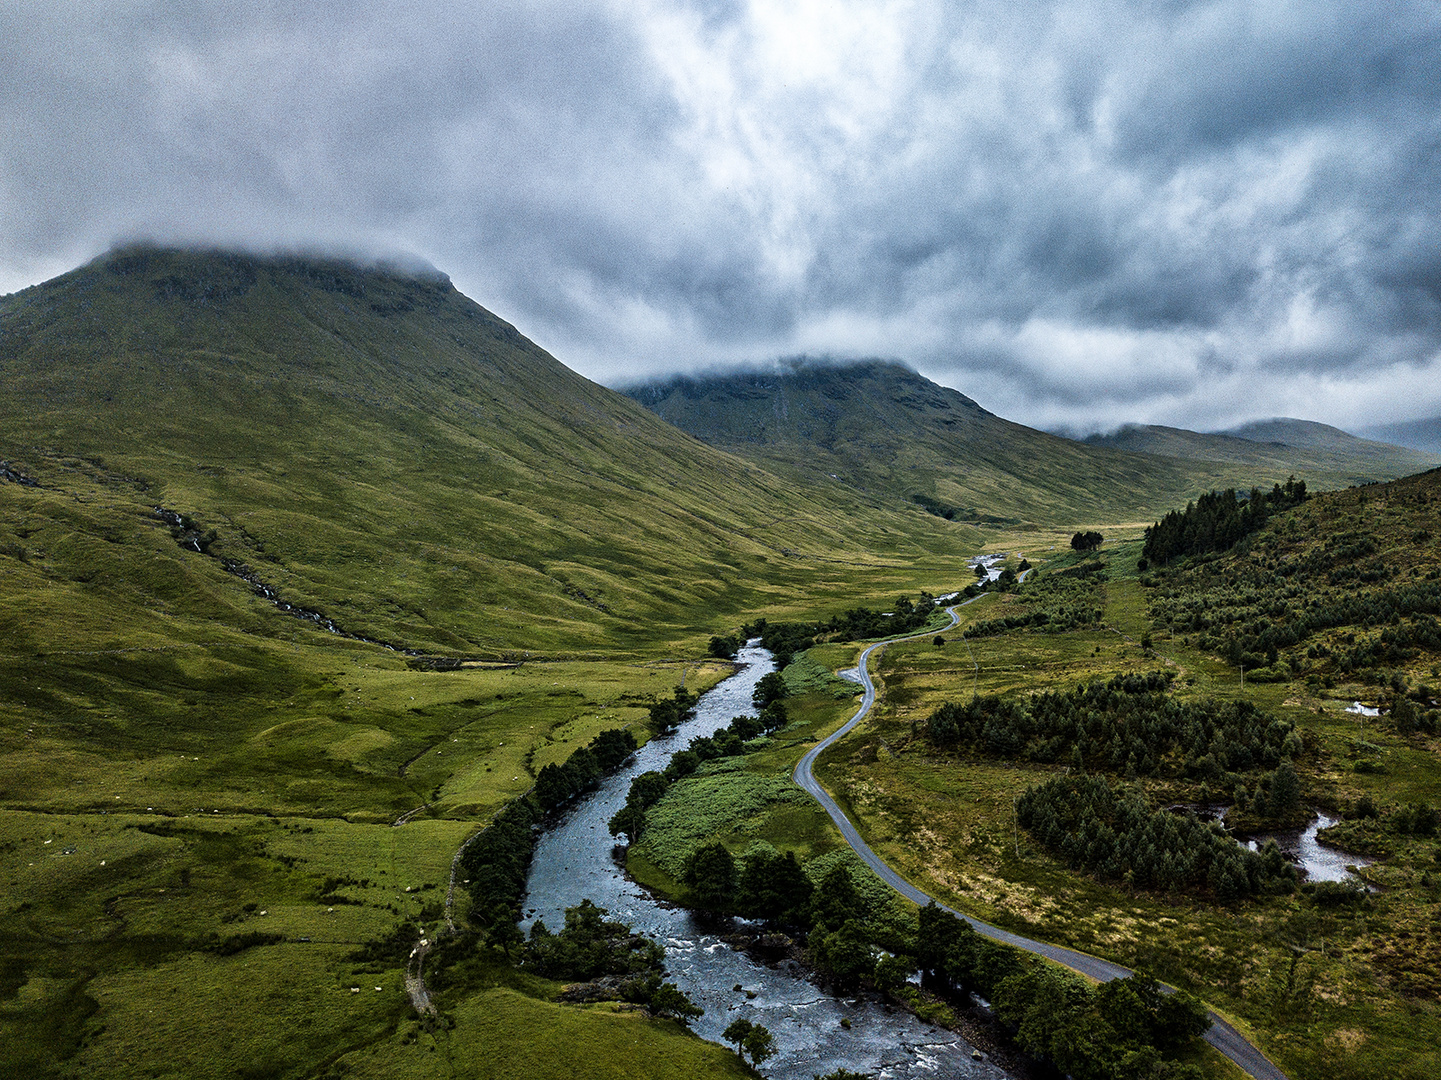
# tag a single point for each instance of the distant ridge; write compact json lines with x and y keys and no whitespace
{"x":1304,"y":434}
{"x":879,"y":428}
{"x":1423,"y":435}
{"x":1325,"y":456}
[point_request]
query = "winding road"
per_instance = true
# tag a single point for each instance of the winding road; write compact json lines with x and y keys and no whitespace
{"x":1221,"y":1035}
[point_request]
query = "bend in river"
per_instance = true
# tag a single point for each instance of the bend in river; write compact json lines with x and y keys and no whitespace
{"x":575,"y":861}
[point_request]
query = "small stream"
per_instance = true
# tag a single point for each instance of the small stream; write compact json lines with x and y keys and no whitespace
{"x":1320,"y":861}
{"x":577,"y":859}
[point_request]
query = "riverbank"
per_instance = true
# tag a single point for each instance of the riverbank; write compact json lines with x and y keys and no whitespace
{"x":1222,"y":1035}
{"x":976,"y":1024}
{"x":814,"y":1032}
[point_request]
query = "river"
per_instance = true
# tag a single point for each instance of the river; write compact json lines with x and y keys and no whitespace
{"x":576,"y":860}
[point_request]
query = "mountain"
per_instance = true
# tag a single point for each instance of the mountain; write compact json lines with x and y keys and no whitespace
{"x":306,"y":570}
{"x":371,"y":446}
{"x":1324,"y":456}
{"x":1423,"y":435}
{"x":882,"y":430}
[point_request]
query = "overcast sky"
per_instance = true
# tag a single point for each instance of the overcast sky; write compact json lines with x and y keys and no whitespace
{"x":1078,"y":214}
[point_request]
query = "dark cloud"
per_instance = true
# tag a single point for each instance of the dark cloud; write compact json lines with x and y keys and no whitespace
{"x":1078,"y":214}
{"x":1224,"y":73}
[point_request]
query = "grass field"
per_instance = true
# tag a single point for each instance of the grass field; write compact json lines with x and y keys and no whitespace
{"x":1325,"y":993}
{"x":1348,"y":992}
{"x":747,"y":800}
{"x":202,"y":902}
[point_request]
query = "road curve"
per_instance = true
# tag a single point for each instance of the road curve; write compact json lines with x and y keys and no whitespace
{"x":1221,"y":1035}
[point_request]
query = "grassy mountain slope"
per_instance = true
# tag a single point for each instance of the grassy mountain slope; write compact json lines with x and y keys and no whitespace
{"x":882,"y":430}
{"x":379,"y":448}
{"x":1326,"y":457}
{"x":223,"y":826}
{"x":1343,"y":589}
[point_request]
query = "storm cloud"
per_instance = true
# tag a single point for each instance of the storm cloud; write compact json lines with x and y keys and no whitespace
{"x":1078,"y":214}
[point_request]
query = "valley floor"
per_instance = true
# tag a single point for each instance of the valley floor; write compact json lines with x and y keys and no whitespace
{"x":1325,"y":992}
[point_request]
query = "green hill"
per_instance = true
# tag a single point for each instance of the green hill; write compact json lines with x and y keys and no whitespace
{"x":377,"y":448}
{"x":882,"y":431}
{"x":235,"y":494}
{"x":1341,"y":589}
{"x":1325,"y":456}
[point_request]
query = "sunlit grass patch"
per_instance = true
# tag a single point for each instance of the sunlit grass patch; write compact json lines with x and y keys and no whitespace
{"x":725,"y":799}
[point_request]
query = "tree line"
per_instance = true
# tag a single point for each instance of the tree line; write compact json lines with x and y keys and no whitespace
{"x":785,"y":639}
{"x":1053,"y":620}
{"x":556,"y":785}
{"x":1258,"y":612}
{"x":497,"y":861}
{"x":1124,"y":1029}
{"x":1129,"y":724}
{"x":669,"y":713}
{"x":1119,"y":1030}
{"x":1217,"y":521}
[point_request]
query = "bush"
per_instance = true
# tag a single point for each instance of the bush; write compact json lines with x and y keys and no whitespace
{"x":710,"y":872}
{"x":724,"y":648}
{"x":1335,"y":894}
{"x":668,"y":714}
{"x":590,"y":946}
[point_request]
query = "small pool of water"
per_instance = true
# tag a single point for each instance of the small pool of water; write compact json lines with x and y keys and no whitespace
{"x":1320,"y":861}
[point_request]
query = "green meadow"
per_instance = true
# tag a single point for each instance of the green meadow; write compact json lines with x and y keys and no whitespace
{"x":1343,"y":991}
{"x":190,"y":899}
